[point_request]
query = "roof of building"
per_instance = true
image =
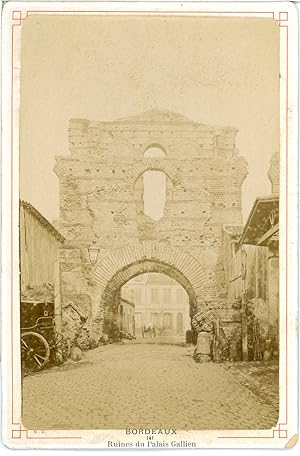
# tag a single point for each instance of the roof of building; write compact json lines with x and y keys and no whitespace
{"x":153,"y":116}
{"x":156,"y":115}
{"x":42,"y":220}
{"x":263,"y":219}
{"x":132,"y":304}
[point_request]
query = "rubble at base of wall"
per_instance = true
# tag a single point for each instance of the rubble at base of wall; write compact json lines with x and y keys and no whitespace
{"x":228,"y":311}
{"x":42,"y":293}
{"x":83,"y":340}
{"x":73,"y":326}
{"x":230,"y":338}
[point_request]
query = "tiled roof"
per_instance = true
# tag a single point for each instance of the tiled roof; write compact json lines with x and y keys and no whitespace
{"x":259,"y":220}
{"x":132,"y":304}
{"x":157,"y":115}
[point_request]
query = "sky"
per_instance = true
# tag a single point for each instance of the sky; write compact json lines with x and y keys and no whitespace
{"x":216,"y":71}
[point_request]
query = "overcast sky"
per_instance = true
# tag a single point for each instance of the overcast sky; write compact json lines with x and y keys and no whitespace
{"x":214,"y":71}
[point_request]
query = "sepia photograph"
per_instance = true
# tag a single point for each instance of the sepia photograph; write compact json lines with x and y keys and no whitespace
{"x":150,"y":218}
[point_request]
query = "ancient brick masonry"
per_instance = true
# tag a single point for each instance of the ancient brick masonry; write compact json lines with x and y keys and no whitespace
{"x":100,"y":205}
{"x":274,"y":173}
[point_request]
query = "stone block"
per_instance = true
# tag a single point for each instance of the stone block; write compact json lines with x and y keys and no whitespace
{"x":76,"y":354}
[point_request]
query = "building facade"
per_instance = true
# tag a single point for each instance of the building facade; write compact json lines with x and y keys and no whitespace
{"x":127,"y":316}
{"x":160,"y":301}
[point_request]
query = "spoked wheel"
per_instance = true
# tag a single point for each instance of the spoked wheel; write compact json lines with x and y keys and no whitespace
{"x":60,"y":350}
{"x":35,"y":352}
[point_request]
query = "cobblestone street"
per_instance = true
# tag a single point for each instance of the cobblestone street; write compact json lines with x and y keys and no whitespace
{"x":142,"y":386}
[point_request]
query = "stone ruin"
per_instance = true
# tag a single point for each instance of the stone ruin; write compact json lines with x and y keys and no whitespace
{"x":101,"y":205}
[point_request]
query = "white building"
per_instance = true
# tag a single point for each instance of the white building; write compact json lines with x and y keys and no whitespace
{"x":160,"y":300}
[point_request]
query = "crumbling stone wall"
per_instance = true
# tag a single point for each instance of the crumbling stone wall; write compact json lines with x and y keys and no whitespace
{"x":76,"y":291}
{"x":73,"y":326}
{"x":98,"y":200}
{"x":227,"y":314}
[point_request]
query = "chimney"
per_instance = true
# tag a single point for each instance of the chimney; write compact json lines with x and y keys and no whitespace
{"x":274,"y":173}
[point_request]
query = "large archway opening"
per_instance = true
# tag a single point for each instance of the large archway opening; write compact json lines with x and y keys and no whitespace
{"x":163,"y":292}
{"x":153,"y":187}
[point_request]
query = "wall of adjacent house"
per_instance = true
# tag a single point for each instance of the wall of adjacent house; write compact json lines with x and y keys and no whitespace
{"x":262,"y":289}
{"x":256,"y":281}
{"x":38,"y":251}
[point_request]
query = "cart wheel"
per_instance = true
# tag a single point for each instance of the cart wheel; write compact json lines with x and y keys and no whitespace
{"x":35,"y":351}
{"x":61,"y":349}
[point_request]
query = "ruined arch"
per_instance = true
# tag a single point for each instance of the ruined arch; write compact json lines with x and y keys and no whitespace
{"x":142,"y":267}
{"x":153,"y":251}
{"x":149,"y":256}
{"x":156,"y":164}
{"x":99,"y":205}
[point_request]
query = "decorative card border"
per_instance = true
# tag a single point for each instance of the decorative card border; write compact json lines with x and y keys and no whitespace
{"x":14,"y":15}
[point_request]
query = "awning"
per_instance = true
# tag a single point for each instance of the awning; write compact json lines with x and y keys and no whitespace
{"x":262,"y":225}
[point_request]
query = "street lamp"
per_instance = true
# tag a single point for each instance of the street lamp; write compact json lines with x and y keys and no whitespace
{"x":93,"y":254}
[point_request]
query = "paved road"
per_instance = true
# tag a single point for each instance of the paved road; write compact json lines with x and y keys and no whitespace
{"x":141,"y":386}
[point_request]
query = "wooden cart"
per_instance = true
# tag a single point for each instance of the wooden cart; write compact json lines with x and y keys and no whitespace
{"x":41,"y":344}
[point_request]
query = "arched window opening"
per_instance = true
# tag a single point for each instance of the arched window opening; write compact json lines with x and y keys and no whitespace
{"x":152,"y":190}
{"x":154,"y":195}
{"x":154,"y":152}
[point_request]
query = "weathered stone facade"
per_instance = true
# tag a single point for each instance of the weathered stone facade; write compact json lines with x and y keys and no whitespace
{"x":100,"y":205}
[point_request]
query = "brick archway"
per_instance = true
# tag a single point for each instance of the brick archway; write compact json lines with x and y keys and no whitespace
{"x":146,"y":266}
{"x":155,"y":252}
{"x":125,"y":263}
{"x":156,"y":164}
